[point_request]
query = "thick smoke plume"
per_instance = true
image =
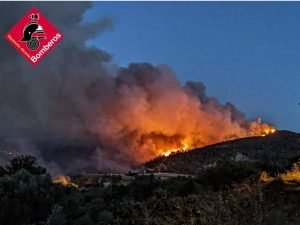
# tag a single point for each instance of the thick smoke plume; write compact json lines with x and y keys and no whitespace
{"x":132,"y":114}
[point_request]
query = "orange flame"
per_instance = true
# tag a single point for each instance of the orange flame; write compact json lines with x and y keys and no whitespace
{"x":63,"y":180}
{"x":268,"y":131}
{"x":184,"y":146}
{"x":166,"y":147}
{"x":152,"y":145}
{"x":152,"y":115}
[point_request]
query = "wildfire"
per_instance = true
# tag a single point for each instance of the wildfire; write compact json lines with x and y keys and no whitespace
{"x":150,"y":114}
{"x":184,"y":147}
{"x":268,"y":131}
{"x":64,"y":180}
{"x":289,"y":176}
{"x":166,"y":147}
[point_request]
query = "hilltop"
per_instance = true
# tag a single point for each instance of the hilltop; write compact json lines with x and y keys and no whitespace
{"x":281,"y":148}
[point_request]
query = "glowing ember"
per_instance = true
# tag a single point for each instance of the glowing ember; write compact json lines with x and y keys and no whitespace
{"x":63,"y":180}
{"x":288,"y":176}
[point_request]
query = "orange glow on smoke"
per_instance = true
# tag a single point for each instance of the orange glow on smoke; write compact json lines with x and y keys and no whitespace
{"x":165,"y":147}
{"x":152,"y":145}
{"x":152,"y":114}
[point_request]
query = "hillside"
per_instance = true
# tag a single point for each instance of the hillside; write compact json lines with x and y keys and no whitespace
{"x":227,"y":192}
{"x":281,"y":147}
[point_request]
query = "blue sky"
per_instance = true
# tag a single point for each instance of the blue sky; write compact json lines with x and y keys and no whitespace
{"x":247,"y":53}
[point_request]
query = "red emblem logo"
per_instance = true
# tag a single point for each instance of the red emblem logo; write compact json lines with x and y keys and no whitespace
{"x":34,"y":36}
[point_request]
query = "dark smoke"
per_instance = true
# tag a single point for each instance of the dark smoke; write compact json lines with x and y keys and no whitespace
{"x":76,"y":110}
{"x":50,"y":101}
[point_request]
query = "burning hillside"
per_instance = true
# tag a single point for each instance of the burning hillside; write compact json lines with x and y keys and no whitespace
{"x":135,"y":113}
{"x":152,"y":114}
{"x":282,"y":147}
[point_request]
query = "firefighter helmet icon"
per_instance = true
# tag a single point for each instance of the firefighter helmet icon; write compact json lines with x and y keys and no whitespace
{"x":34,"y":36}
{"x":32,"y":32}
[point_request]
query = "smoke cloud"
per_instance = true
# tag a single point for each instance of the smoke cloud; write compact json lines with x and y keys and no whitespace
{"x":76,"y":95}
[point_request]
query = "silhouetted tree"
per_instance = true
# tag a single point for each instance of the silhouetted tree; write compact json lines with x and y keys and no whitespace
{"x":25,"y":162}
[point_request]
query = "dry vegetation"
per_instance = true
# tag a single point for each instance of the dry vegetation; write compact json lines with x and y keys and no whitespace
{"x":223,"y":192}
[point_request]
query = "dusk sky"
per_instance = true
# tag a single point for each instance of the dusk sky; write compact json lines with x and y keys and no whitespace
{"x":246,"y":53}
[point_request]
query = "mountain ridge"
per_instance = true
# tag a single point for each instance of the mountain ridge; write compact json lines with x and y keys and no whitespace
{"x":283,"y":145}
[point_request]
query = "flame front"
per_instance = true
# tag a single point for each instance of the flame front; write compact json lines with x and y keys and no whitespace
{"x":166,"y":147}
{"x":148,"y":113}
{"x":267,"y":131}
{"x":165,"y":151}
